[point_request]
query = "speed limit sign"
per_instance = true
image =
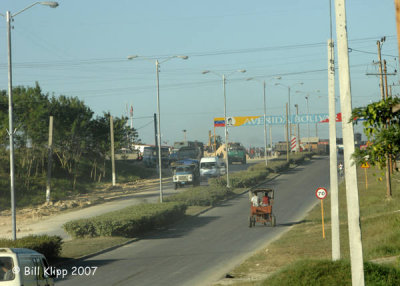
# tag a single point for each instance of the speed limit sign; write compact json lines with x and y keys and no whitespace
{"x":321,"y":193}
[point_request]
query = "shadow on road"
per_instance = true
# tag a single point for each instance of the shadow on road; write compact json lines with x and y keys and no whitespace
{"x":185,"y":226}
{"x":291,"y":223}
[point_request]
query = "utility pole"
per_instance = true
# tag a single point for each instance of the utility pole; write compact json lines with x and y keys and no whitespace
{"x":397,"y":6}
{"x":378,"y":43}
{"x":49,"y":159}
{"x":386,"y":83}
{"x":333,"y":155}
{"x":228,"y":185}
{"x":11,"y":129}
{"x":155,"y":132}
{"x":388,"y":158}
{"x":112,"y":150}
{"x":287,"y":134}
{"x":156,"y":136}
{"x":353,"y":206}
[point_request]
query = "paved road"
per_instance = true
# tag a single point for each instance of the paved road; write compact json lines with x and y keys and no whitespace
{"x":53,"y":225}
{"x":202,"y":249}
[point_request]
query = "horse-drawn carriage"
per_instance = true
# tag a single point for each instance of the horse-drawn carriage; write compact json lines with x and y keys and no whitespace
{"x":261,"y":207}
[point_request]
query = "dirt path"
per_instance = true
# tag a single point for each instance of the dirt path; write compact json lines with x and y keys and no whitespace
{"x":30,"y":215}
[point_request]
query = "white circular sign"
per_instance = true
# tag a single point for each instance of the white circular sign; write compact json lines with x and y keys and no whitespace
{"x":321,"y":193}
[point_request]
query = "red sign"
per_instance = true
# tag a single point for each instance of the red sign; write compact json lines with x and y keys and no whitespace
{"x":321,"y":193}
{"x":338,"y":118}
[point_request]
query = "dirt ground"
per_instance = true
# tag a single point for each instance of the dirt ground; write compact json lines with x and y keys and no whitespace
{"x":28,"y":215}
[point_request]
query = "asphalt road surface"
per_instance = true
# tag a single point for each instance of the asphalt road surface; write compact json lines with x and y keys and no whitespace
{"x":200,"y":250}
{"x":151,"y":194}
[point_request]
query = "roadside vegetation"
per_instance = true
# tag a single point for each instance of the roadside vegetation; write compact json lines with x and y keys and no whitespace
{"x":302,"y":250}
{"x":49,"y":246}
{"x":128,"y":222}
{"x":81,"y":146}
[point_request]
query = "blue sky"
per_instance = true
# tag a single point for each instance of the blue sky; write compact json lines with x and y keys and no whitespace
{"x":80,"y":49}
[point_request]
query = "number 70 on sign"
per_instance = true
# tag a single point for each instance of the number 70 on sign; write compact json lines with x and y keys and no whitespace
{"x":321,"y":193}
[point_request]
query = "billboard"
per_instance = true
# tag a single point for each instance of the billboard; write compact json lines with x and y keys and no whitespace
{"x":236,"y":121}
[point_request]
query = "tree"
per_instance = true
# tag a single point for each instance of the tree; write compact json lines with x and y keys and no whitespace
{"x":71,"y":132}
{"x":382,"y":128}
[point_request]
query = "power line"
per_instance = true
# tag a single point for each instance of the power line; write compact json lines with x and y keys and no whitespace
{"x":193,"y":54}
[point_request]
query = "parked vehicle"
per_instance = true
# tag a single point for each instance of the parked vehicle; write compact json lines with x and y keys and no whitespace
{"x":210,"y":167}
{"x":236,"y":153}
{"x":186,"y":172}
{"x":33,"y":268}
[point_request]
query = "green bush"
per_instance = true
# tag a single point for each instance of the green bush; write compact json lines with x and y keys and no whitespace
{"x":49,"y":246}
{"x":325,"y":272}
{"x":278,"y":166}
{"x":201,"y":196}
{"x":127,"y":222}
{"x":247,"y":179}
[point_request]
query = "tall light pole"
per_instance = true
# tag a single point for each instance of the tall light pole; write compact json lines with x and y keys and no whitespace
{"x":158,"y":110}
{"x":9,"y":17}
{"x":226,"y":129}
{"x":290,"y":114}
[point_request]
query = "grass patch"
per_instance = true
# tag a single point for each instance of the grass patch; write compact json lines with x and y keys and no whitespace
{"x":380,"y":226}
{"x":76,"y":248}
{"x":325,"y":272}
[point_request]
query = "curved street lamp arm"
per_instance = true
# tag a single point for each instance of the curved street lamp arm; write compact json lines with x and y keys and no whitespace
{"x":51,"y":4}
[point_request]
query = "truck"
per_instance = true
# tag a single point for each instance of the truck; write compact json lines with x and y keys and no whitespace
{"x":236,"y":153}
{"x":189,"y":150}
{"x":186,"y":172}
{"x":150,"y":158}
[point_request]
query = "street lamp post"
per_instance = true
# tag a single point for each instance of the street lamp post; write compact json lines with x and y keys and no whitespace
{"x":158,"y":111}
{"x":226,"y":128}
{"x":9,"y":17}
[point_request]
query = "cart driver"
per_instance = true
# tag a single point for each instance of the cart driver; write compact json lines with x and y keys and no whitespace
{"x":265,"y":200}
{"x":254,"y":200}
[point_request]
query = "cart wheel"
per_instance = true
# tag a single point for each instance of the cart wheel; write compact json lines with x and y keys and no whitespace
{"x":273,"y":221}
{"x":254,"y":221}
{"x":176,"y":186}
{"x":251,"y":222}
